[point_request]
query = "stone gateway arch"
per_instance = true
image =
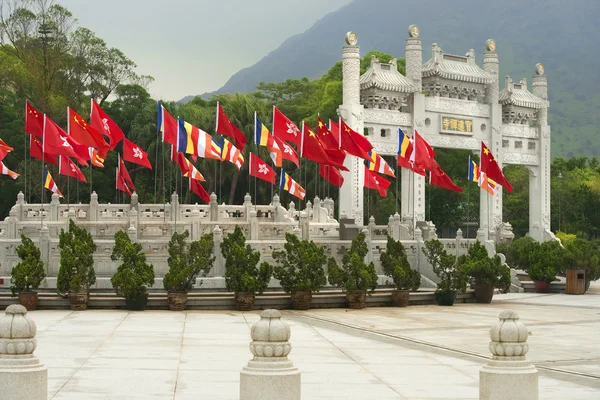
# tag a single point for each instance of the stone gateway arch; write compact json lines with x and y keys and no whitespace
{"x":453,"y":103}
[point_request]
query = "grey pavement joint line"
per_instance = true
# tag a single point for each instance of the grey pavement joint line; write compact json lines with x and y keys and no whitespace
{"x":180,"y":354}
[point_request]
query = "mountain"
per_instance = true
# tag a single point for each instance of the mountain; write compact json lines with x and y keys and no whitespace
{"x":561,"y":35}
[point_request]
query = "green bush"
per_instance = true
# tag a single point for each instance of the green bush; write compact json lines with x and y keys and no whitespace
{"x":187,"y":261}
{"x":520,"y":254}
{"x":300,"y":265}
{"x":547,"y":261}
{"x":355,"y":274}
{"x":484,"y":270}
{"x":395,"y":265}
{"x":76,"y":272}
{"x":583,"y":254}
{"x":452,"y":278}
{"x":29,"y":273}
{"x":242,"y":273}
{"x":134,"y":275}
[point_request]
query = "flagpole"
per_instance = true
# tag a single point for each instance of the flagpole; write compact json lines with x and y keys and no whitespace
{"x":468,"y":208}
{"x":25,"y":161}
{"x":43,"y":152}
{"x":397,"y":179}
{"x":156,"y":163}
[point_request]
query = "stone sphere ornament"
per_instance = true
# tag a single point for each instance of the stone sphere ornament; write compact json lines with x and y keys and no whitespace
{"x":539,"y":69}
{"x":413,"y":31}
{"x":508,"y":336}
{"x":351,"y":38}
{"x":490,"y":45}
{"x":17,"y":332}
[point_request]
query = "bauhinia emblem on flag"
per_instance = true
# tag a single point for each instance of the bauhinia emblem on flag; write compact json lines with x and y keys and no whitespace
{"x":120,"y":182}
{"x":57,"y":142}
{"x":231,"y":153}
{"x":68,"y":168}
{"x":262,"y":137}
{"x":85,"y":134}
{"x":287,"y":151}
{"x":50,"y":184}
{"x":261,"y":170}
{"x":374,"y":181}
{"x":490,"y":167}
{"x":288,"y":184}
{"x":133,"y":153}
{"x":378,"y":164}
{"x":5,"y":171}
{"x":100,"y":121}
{"x":285,"y":129}
{"x":122,"y":170}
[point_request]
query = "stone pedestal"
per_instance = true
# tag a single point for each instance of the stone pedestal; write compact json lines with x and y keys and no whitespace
{"x":270,"y":375}
{"x":22,"y":376}
{"x":508,"y":375}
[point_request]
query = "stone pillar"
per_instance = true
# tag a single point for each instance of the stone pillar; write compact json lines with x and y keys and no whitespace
{"x":54,"y":207}
{"x":508,"y":375}
{"x":351,"y":192}
{"x":20,"y":204}
{"x":175,"y":207}
{"x":270,"y":375}
{"x":491,"y":65}
{"x":413,"y":54}
{"x":22,"y":376}
{"x":134,"y":200}
{"x":304,"y":225}
{"x":11,"y":224}
{"x":248,"y":206}
{"x":539,"y":178}
{"x":219,"y":265}
{"x":94,"y":207}
{"x":309,"y":211}
{"x":253,"y":225}
{"x":214,"y":207}
{"x":195,"y":234}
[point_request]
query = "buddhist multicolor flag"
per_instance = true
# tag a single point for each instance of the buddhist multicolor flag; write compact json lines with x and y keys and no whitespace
{"x":5,"y":171}
{"x":188,"y":169}
{"x":378,"y":164}
{"x":193,"y":140}
{"x":482,"y":180}
{"x":231,"y":153}
{"x":50,"y":184}
{"x":262,"y":137}
{"x":288,"y":184}
{"x":405,"y":148}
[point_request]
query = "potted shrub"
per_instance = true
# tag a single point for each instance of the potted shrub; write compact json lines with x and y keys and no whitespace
{"x":485,"y":273}
{"x":395,"y":265}
{"x":134,"y":275}
{"x":355,"y":276}
{"x":583,"y":254}
{"x":520,"y":253}
{"x":186,"y":261}
{"x":547,"y":262}
{"x":452,"y":278}
{"x":76,"y":273}
{"x":300,"y":269}
{"x":28,"y":274}
{"x":243,"y":276}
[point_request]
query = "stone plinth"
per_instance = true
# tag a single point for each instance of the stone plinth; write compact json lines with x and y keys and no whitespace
{"x":508,"y":375}
{"x":22,"y":376}
{"x":270,"y":375}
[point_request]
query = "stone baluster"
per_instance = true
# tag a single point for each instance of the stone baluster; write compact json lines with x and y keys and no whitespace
{"x":195,"y":224}
{"x":134,"y":201}
{"x":270,"y":375}
{"x":20,"y":203}
{"x":371,"y":226}
{"x":292,"y":210}
{"x":22,"y":376}
{"x":219,"y":265}
{"x":94,"y":207}
{"x":214,"y":207}
{"x":304,"y":225}
{"x":253,"y":225}
{"x":132,"y":232}
{"x":54,"y":207}
{"x":508,"y":375}
{"x":11,"y":224}
{"x":247,"y":206}
{"x":175,"y":207}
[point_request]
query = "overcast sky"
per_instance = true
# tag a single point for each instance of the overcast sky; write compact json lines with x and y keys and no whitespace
{"x":194,"y":46}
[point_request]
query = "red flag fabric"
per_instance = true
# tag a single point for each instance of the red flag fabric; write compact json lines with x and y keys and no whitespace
{"x":133,"y":153}
{"x":325,"y":135}
{"x":167,"y":125}
{"x":227,"y":128}
{"x":489,"y":165}
{"x":374,"y":181}
{"x":57,"y":142}
{"x":199,"y":190}
{"x":4,"y":146}
{"x":35,"y":150}
{"x":287,"y":151}
{"x":100,"y":121}
{"x":331,"y":175}
{"x":68,"y":168}
{"x":34,"y":121}
{"x":188,"y":169}
{"x":125,"y":174}
{"x":121,"y":185}
{"x":285,"y":129}
{"x":5,"y":171}
{"x":353,"y":142}
{"x":438,"y":177}
{"x":422,"y":154}
{"x":334,"y":128}
{"x":312,"y":149}
{"x":261,"y":169}
{"x":86,"y":134}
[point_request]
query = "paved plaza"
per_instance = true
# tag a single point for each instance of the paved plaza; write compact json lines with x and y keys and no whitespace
{"x":420,"y":352}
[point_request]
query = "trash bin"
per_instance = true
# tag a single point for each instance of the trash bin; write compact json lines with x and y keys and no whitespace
{"x":575,"y":281}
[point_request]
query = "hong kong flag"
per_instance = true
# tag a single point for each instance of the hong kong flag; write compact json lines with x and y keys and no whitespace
{"x":261,"y":169}
{"x":376,"y":182}
{"x":34,"y":121}
{"x":57,"y":142}
{"x":121,"y":185}
{"x":68,"y":168}
{"x":133,"y":153}
{"x":285,"y":129}
{"x":287,"y":151}
{"x":100,"y":121}
{"x":122,"y":169}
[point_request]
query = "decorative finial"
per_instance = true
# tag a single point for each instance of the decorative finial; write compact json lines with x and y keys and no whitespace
{"x":17,"y":331}
{"x":490,"y":45}
{"x":351,"y":38}
{"x":508,"y":336}
{"x":413,"y":31}
{"x":539,"y":69}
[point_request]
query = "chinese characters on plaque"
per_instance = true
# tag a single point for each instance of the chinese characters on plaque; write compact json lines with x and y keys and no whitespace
{"x":456,"y":125}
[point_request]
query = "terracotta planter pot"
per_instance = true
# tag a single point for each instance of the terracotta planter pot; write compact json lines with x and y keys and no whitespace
{"x":542,"y":286}
{"x":137,"y":303}
{"x":177,"y":300}
{"x":79,"y":300}
{"x":244,"y":301}
{"x":484,"y":293}
{"x":28,"y":300}
{"x":400,"y":298}
{"x":445,"y":298}
{"x":356,"y":299}
{"x":301,"y":299}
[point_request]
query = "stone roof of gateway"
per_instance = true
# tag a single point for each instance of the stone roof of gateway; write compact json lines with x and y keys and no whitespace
{"x":385,"y":76}
{"x":517,"y":94}
{"x":458,"y":68}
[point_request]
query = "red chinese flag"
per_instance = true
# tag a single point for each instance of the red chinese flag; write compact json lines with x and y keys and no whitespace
{"x":439,"y":178}
{"x":34,"y":121}
{"x":326,"y":136}
{"x":491,"y":168}
{"x":287,"y":151}
{"x":199,"y":190}
{"x":331,"y":175}
{"x":227,"y":128}
{"x":376,"y":182}
{"x":285,"y":129}
{"x":133,"y":153}
{"x":86,"y":134}
{"x":106,"y":126}
{"x":312,"y":148}
{"x":422,"y":154}
{"x":57,"y":142}
{"x":353,"y":142}
{"x":121,"y":185}
{"x":69,"y":168}
{"x":35,"y":150}
{"x":125,"y":174}
{"x":261,"y":169}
